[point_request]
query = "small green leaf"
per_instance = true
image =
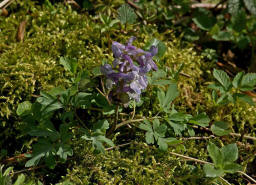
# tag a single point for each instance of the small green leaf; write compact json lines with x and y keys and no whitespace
{"x":232,"y":167}
{"x":220,"y":128}
{"x":237,"y":80}
{"x":126,"y":14}
{"x":210,"y":171}
{"x":222,"y":78}
{"x":222,"y":36}
{"x":149,"y":136}
{"x":172,"y":141}
{"x":101,"y":126}
{"x":177,"y":127}
{"x":171,"y":94}
{"x":24,"y":108}
{"x":249,"y":80}
{"x":229,"y":152}
{"x":215,"y":154}
{"x":217,"y":87}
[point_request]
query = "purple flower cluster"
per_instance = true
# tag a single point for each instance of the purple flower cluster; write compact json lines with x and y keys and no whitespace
{"x":128,"y":74}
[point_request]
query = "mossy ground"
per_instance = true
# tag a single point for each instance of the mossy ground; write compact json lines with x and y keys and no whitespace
{"x":32,"y":65}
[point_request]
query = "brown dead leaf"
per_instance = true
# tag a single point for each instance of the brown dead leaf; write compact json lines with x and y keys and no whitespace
{"x":21,"y":31}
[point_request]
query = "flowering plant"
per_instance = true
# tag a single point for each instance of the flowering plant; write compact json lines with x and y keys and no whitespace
{"x":127,"y":78}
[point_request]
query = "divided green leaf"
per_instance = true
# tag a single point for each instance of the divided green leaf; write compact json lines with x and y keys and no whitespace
{"x":215,"y":154}
{"x":201,"y":120}
{"x":70,"y":64}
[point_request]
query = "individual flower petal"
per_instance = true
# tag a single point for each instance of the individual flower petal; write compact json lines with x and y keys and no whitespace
{"x":117,"y":49}
{"x":131,"y":39}
{"x":106,"y":69}
{"x":153,"y":50}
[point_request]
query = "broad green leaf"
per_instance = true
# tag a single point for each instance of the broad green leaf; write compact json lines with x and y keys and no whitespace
{"x":23,"y":108}
{"x":201,"y":119}
{"x":222,"y":78}
{"x":239,"y":21}
{"x":244,"y":97}
{"x":20,"y":180}
{"x":251,"y":6}
{"x":158,"y":74}
{"x":126,"y":14}
{"x":35,"y":160}
{"x":70,"y":64}
{"x":210,"y":171}
{"x":149,"y":136}
{"x":229,"y":152}
{"x":146,"y":127}
{"x":237,"y":80}
{"x":215,"y":154}
{"x":40,"y":149}
{"x":249,"y":80}
{"x":232,"y":167}
{"x":222,"y":36}
{"x":204,"y":21}
{"x":159,"y":44}
{"x":220,"y":128}
{"x":233,"y":6}
{"x":49,"y":102}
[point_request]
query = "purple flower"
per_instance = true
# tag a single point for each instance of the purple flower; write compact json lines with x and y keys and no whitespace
{"x":128,"y":74}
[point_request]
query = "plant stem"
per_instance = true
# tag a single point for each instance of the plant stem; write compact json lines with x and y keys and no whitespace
{"x":134,"y":109}
{"x":113,"y":127}
{"x":118,"y":146}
